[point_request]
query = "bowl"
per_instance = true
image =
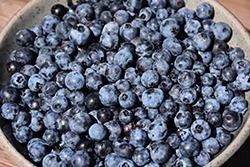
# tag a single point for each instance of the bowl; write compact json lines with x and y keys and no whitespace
{"x":33,"y":12}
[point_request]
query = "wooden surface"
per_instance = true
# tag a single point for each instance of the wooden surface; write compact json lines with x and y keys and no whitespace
{"x":240,"y":8}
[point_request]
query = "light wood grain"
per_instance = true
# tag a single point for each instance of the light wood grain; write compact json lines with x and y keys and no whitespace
{"x":240,"y":8}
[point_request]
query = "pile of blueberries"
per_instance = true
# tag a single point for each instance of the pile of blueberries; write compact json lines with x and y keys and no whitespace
{"x":125,"y":83}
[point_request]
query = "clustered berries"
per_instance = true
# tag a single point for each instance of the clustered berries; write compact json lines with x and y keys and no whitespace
{"x":125,"y":83}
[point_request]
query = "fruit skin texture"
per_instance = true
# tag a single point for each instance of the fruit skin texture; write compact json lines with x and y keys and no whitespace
{"x":152,"y":97}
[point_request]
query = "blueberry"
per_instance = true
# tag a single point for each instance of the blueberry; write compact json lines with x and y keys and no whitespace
{"x":53,"y":40}
{"x":168,"y":108}
{"x":114,"y":73}
{"x":133,"y":5}
{"x":186,"y":78}
{"x":80,"y":159}
{"x":36,"y":123}
{"x":183,"y":62}
{"x":219,"y":45}
{"x":108,"y":95}
{"x":161,"y":66}
{"x":220,"y":61}
{"x":193,"y":27}
{"x":229,"y":74}
{"x":138,"y":138}
{"x":74,"y":80}
{"x":76,"y":98}
{"x":184,"y":161}
{"x":25,"y":37}
{"x":97,"y":132}
{"x":175,"y":92}
{"x":127,"y":99}
{"x":207,"y":79}
{"x":23,"y":134}
{"x":51,"y":137}
{"x":106,"y":16}
{"x":141,"y":156}
{"x":150,"y":78}
{"x":49,"y":88}
{"x":111,"y":27}
{"x":114,"y":130}
{"x":201,"y":41}
{"x":96,"y":56}
{"x":109,"y":40}
{"x":62,"y":123}
{"x":238,"y":104}
{"x":203,"y":158}
{"x":241,"y":66}
{"x":59,"y":10}
{"x":152,"y":164}
{"x":157,"y":130}
{"x":160,"y":151}
{"x":112,"y":160}
{"x":125,"y":116}
{"x":173,"y":140}
{"x":126,"y":162}
{"x":223,"y":136}
{"x":122,"y":148}
{"x":183,"y":119}
{"x":211,"y":105}
{"x":200,"y":129}
{"x":48,"y":70}
{"x":211,"y":146}
{"x":137,"y":22}
{"x":23,"y":55}
{"x":144,"y":63}
{"x":140,"y":113}
{"x":128,"y":31}
{"x":223,"y":95}
{"x":204,"y":10}
{"x":231,"y":120}
{"x":37,"y":29}
{"x":165,"y":84}
{"x":22,"y":118}
{"x":152,"y":97}
{"x":103,"y":148}
{"x":37,"y":151}
{"x":214,"y":118}
{"x":80,"y":34}
{"x":84,"y":12}
{"x":13,"y":66}
{"x":188,"y":95}
{"x":176,"y":4}
{"x":92,"y":101}
{"x":50,"y":159}
{"x":169,"y":27}
{"x":66,"y":154}
{"x":144,"y":48}
{"x":73,"y":4}
{"x":222,"y":31}
{"x":50,"y":119}
{"x":49,"y":23}
{"x":69,"y":140}
{"x":156,"y":5}
{"x":121,"y":17}
{"x":122,"y":85}
{"x":59,"y":104}
{"x":190,"y":147}
{"x":236,"y":53}
{"x":242,"y":82}
{"x":80,"y":122}
{"x":9,"y":94}
{"x":153,"y":24}
{"x":40,"y":41}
